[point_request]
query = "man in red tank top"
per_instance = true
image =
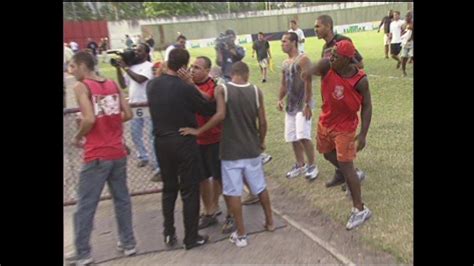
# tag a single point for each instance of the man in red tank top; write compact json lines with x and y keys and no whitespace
{"x":344,"y":90}
{"x":103,"y":110}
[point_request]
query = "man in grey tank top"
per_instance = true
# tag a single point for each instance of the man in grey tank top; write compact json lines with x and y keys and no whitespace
{"x":241,"y":110}
{"x":299,"y":103}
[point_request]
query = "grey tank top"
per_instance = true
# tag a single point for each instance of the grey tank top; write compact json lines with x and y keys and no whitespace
{"x":239,"y":134}
{"x":295,"y":86}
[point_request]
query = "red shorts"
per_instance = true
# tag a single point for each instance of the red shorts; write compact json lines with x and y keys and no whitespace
{"x":342,"y":142}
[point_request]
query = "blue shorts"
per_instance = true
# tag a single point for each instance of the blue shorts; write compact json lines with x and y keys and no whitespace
{"x":233,"y":173}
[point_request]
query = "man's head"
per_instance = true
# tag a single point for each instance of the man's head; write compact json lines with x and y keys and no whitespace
{"x":142,"y":51}
{"x":260,"y":36}
{"x":323,"y":26}
{"x":396,"y":15}
{"x":181,"y":41}
{"x":293,"y":24}
{"x":240,"y":69}
{"x":82,"y":63}
{"x":231,"y":33}
{"x":289,"y":41}
{"x":200,"y":69}
{"x":178,"y":58}
{"x":126,"y":36}
{"x":390,"y":13}
{"x":342,"y":54}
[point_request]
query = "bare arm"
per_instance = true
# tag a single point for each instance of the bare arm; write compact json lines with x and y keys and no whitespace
{"x":283,"y":91}
{"x":321,"y":68}
{"x":217,"y":118}
{"x":127,"y":113}
{"x":305,"y":65}
{"x":87,"y":110}
{"x":120,"y":77}
{"x":366,"y":112}
{"x":262,"y":120}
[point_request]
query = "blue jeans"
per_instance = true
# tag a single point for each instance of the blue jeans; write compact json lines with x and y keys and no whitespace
{"x":136,"y":129}
{"x":92,"y":180}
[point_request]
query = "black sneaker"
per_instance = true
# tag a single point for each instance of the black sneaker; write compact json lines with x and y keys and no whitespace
{"x":338,"y":179}
{"x":207,"y":220}
{"x":201,"y":240}
{"x":171,"y":240}
{"x":229,"y":225}
{"x":264,"y":80}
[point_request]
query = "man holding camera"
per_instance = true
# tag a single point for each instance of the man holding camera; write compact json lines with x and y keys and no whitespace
{"x":228,"y":53}
{"x":137,"y":77}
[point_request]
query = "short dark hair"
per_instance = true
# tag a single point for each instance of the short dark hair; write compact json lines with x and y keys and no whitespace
{"x":293,"y":21}
{"x":239,"y":68}
{"x":178,"y":58}
{"x":292,"y":36}
{"x":207,"y":60}
{"x":181,"y":37}
{"x":261,"y":33}
{"x":229,"y":32}
{"x":84,"y":57}
{"x":398,"y":12}
{"x":326,"y":20}
{"x":147,"y":47}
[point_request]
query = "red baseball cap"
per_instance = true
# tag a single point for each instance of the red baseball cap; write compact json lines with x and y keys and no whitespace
{"x":345,"y":48}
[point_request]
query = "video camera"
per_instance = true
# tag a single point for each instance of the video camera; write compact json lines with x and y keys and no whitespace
{"x":128,"y":56}
{"x":224,"y":39}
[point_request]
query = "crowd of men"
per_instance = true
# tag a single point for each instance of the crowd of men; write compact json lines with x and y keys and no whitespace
{"x":209,"y":128}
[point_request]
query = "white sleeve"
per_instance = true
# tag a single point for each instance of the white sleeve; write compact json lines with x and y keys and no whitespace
{"x":301,"y":35}
{"x":167,"y":52}
{"x":146,"y":71}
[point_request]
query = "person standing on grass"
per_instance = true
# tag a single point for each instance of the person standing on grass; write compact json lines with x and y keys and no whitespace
{"x":299,"y":32}
{"x":299,"y":102}
{"x":344,"y":90}
{"x":386,"y":29}
{"x":323,"y":28}
{"x":262,"y":47}
{"x":396,"y":28}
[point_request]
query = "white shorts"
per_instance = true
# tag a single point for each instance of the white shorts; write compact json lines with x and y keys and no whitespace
{"x":263,"y":63}
{"x":297,"y":127}
{"x":234,"y":172}
{"x":386,"y":40}
{"x":407,"y":50}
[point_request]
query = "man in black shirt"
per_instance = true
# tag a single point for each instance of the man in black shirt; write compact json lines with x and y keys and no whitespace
{"x":323,"y":27}
{"x":173,"y":104}
{"x":386,"y":29}
{"x":262,"y":47}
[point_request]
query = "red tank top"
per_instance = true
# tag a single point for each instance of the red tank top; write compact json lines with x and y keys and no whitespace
{"x":341,"y":101}
{"x":104,"y":141}
{"x":213,"y":135}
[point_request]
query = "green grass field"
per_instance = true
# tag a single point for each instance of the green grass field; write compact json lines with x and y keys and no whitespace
{"x":387,"y":158}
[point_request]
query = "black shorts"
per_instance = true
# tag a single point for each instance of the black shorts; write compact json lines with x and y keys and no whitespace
{"x":395,"y":48}
{"x":211,"y":164}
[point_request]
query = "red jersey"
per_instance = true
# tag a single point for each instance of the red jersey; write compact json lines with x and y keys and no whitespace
{"x":213,"y":135}
{"x":104,"y":141}
{"x":341,"y":101}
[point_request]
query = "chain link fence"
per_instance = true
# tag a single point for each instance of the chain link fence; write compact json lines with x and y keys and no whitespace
{"x":138,"y":177}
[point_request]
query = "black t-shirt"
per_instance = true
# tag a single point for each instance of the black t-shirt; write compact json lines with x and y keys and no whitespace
{"x":173,"y":104}
{"x":386,"y":23}
{"x":338,"y":37}
{"x":262,"y":49}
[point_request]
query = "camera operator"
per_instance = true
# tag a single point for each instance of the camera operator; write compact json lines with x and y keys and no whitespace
{"x":227,"y":53}
{"x":137,"y":75}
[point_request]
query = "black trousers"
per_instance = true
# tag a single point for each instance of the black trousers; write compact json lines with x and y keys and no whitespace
{"x":181,"y":172}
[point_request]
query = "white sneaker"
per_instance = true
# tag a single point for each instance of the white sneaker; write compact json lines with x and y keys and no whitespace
{"x":296,"y":171}
{"x":240,"y":241}
{"x":266,"y":158}
{"x":312,"y":172}
{"x":126,"y":252}
{"x":358,"y":217}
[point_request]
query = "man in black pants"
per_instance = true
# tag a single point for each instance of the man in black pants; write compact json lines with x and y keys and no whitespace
{"x":173,"y":104}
